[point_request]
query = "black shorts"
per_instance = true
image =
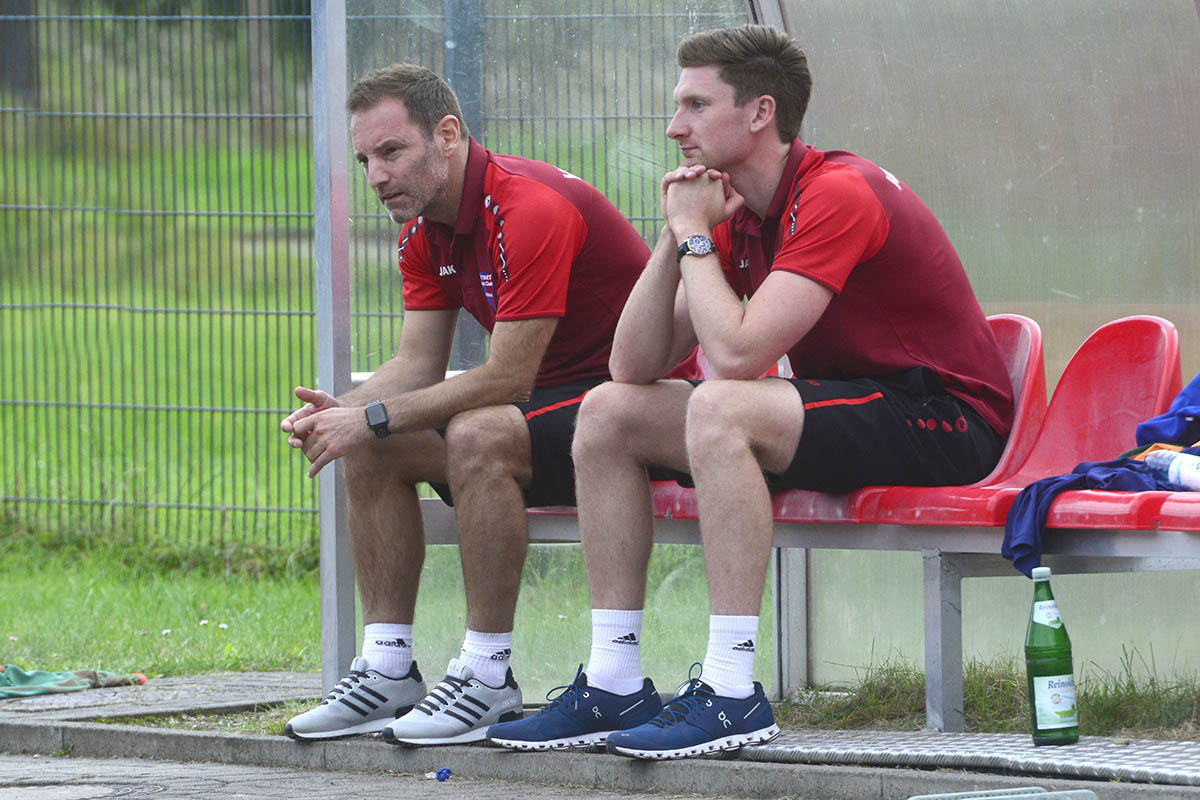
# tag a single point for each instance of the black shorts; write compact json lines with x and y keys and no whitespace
{"x":904,"y":430}
{"x":550,"y":414}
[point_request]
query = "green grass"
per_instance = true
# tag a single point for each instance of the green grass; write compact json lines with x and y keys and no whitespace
{"x":107,"y":605}
{"x":891,"y":696}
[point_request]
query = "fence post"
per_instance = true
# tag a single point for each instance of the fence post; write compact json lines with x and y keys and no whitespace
{"x":332,"y":254}
{"x":463,"y":29}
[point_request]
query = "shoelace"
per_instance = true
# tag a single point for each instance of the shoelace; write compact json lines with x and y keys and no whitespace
{"x":683,"y":704}
{"x":566,"y":692}
{"x":345,"y":686}
{"x":687,"y":697}
{"x":451,"y":687}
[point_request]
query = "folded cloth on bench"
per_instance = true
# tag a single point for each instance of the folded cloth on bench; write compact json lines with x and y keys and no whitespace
{"x":16,"y":682}
{"x":1026,"y":520}
{"x":1181,"y":422}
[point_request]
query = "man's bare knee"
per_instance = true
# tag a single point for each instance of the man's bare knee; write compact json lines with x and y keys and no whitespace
{"x":711,"y":426}
{"x":602,"y":419}
{"x":366,"y":469}
{"x":488,"y":440}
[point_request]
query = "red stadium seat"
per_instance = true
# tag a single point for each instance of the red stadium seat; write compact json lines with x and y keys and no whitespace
{"x":1180,"y":511}
{"x":1127,"y":371}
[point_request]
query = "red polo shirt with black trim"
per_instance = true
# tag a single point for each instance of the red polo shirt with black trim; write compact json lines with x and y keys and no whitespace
{"x":901,"y":296}
{"x":530,"y":241}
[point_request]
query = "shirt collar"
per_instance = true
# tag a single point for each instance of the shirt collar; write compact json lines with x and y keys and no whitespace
{"x":472,"y":193}
{"x":747,"y":221}
{"x":791,"y":171}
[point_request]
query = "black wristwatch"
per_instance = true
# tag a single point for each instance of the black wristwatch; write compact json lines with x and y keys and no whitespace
{"x":695,"y":246}
{"x":377,"y":418}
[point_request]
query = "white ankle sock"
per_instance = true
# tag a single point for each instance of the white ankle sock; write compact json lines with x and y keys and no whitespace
{"x":615,"y":663}
{"x":388,"y":648}
{"x":729,"y":663}
{"x":487,"y":654}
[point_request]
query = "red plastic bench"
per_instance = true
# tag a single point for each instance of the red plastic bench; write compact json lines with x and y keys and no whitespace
{"x":1125,"y":372}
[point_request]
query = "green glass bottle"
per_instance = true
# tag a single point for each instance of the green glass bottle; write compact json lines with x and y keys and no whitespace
{"x":1051,"y":679}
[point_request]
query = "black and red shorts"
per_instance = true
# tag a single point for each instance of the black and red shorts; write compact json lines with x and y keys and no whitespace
{"x":903,"y":430}
{"x":550,"y":414}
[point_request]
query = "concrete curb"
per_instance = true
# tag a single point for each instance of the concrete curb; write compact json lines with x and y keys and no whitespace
{"x":712,"y":777}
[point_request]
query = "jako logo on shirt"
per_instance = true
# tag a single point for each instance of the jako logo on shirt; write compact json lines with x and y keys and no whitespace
{"x":446,"y":269}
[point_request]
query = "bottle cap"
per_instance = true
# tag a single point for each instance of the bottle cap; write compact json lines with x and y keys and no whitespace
{"x":1041,"y":573}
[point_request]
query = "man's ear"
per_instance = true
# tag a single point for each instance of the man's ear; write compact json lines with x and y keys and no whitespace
{"x":764,"y":113}
{"x":447,"y":134}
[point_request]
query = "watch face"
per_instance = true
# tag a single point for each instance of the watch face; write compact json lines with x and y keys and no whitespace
{"x":699,"y":245}
{"x":376,"y":414}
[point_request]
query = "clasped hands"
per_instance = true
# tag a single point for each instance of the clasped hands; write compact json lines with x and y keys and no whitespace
{"x":323,"y":429}
{"x":696,"y":199}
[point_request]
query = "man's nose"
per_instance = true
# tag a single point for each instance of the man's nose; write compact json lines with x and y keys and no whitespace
{"x":675,"y":129}
{"x":376,"y":176}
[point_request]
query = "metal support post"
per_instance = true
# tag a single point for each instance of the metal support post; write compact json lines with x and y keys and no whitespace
{"x":791,"y":619}
{"x":332,"y":251}
{"x":463,"y":29}
{"x":943,"y":643}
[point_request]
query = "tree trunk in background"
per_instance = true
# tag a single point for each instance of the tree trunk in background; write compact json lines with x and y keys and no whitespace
{"x":18,"y":51}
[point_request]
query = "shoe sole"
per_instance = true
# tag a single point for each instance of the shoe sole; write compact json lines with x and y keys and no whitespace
{"x":725,"y":743}
{"x":565,"y":743}
{"x":372,"y":726}
{"x":340,"y":733}
{"x":473,"y":735}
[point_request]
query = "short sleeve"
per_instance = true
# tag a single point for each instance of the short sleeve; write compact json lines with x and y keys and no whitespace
{"x":537,"y":236}
{"x":420,"y":288}
{"x":835,"y":224}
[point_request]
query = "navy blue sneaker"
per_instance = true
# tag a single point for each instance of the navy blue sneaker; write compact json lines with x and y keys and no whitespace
{"x":579,"y":716}
{"x":698,"y":722}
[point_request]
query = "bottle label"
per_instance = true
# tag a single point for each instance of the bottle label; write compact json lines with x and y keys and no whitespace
{"x":1054,"y":702}
{"x":1045,"y":612}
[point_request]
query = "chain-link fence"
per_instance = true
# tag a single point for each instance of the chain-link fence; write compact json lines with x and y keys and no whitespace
{"x":156,"y":279}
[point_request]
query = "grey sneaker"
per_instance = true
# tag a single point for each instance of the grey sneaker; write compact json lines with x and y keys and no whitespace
{"x":365,"y":701}
{"x":457,"y":710}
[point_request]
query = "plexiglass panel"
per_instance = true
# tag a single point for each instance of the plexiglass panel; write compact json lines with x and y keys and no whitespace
{"x":1057,"y":141}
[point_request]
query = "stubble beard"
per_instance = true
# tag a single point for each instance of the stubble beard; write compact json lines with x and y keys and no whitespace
{"x":426,"y":190}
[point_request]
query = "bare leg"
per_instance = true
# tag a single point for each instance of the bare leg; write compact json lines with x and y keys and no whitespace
{"x":735,"y":431}
{"x":387,"y":538}
{"x":621,"y":429}
{"x":489,"y":463}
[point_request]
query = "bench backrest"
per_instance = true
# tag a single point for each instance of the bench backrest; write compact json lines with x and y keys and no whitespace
{"x":1127,"y":371}
{"x":1020,"y":340}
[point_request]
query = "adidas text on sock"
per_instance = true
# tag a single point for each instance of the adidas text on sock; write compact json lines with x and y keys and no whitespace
{"x":388,"y":648}
{"x":488,"y":655}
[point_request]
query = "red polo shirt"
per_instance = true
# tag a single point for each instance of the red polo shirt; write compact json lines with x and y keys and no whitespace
{"x":901,"y":296}
{"x":530,"y":241}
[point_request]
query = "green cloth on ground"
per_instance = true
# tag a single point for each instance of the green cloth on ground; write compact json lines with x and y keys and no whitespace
{"x":16,"y":682}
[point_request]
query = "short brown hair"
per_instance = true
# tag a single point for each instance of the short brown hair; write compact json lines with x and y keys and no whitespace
{"x":426,"y":96}
{"x":756,"y":60}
